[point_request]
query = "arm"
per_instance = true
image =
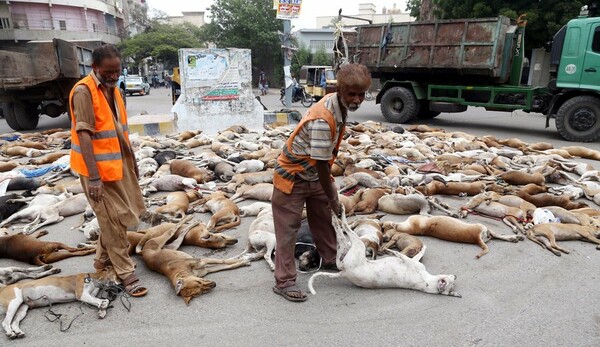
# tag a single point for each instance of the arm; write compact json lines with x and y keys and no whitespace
{"x":95,"y":186}
{"x":328,"y":186}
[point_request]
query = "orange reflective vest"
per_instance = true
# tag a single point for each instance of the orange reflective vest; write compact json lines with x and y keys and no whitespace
{"x":105,"y":143}
{"x":288,"y":163}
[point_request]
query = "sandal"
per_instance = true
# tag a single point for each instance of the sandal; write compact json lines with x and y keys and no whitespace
{"x":133,"y":286}
{"x":287,"y":293}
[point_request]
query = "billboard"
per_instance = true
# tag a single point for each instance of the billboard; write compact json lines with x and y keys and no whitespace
{"x":288,"y":9}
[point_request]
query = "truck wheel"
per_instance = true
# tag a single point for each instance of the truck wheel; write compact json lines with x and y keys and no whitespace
{"x":578,"y":119}
{"x":27,"y":115}
{"x":399,"y":105}
{"x":9,"y":115}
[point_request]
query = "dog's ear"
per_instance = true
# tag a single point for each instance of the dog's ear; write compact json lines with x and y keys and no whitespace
{"x":442,"y":283}
{"x":178,"y":286}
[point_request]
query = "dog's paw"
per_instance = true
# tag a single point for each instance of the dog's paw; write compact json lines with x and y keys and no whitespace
{"x":47,"y":267}
{"x":103,"y":304}
{"x":520,"y":238}
{"x":56,"y":271}
{"x":101,"y":313}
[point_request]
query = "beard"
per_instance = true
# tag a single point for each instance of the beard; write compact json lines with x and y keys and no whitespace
{"x":108,"y":84}
{"x":350,"y":107}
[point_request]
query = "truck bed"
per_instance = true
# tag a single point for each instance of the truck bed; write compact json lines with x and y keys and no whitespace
{"x":465,"y":47}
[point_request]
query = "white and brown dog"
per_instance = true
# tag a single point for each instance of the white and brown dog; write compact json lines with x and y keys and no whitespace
{"x":16,"y":299}
{"x":399,"y":271}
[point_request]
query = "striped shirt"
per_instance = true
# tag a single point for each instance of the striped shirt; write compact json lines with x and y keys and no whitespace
{"x":314,"y":139}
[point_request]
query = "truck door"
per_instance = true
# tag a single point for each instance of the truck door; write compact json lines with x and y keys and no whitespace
{"x":590,"y":77}
{"x":571,"y":61}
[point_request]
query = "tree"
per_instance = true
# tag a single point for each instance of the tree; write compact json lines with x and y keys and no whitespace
{"x":302,"y":57}
{"x":321,"y":57}
{"x":544,"y":18}
{"x":162,"y":42}
{"x":248,"y":24}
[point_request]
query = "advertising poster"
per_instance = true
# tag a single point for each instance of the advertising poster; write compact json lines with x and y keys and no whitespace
{"x":288,"y":9}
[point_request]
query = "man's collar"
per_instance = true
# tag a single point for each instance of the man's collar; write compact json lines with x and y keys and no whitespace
{"x":337,"y":108}
{"x":96,"y":80}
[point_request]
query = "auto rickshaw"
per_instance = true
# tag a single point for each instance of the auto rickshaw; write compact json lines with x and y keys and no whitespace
{"x":175,"y":85}
{"x":311,"y":80}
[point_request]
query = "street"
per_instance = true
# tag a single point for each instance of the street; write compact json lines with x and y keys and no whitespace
{"x":516,"y":295}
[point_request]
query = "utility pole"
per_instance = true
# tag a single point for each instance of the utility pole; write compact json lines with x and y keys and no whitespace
{"x":287,"y":62}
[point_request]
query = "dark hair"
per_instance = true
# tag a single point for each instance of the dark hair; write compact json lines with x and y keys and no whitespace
{"x":105,"y":52}
{"x":353,"y":75}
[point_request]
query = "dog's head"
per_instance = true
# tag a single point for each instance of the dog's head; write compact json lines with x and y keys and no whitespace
{"x":308,"y":260}
{"x":216,"y":241}
{"x":445,"y":285}
{"x":191,"y":287}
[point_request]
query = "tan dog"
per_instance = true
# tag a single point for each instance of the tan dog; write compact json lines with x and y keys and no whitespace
{"x":369,"y":201}
{"x":225,"y":212}
{"x":561,"y":232}
{"x":20,"y":151}
{"x":260,"y":191}
{"x":582,"y":152}
{"x":178,"y":203}
{"x":514,"y":217}
{"x":522,"y":178}
{"x":252,"y":178}
{"x":407,"y":244}
{"x":546,"y":199}
{"x":48,"y":158}
{"x":28,"y":249}
{"x":72,"y":186}
{"x":8,"y":165}
{"x":411,"y":203}
{"x":184,"y":271}
{"x":508,"y":200}
{"x":451,"y":188}
{"x":449,"y":229}
{"x":17,"y":298}
{"x":186,"y":168}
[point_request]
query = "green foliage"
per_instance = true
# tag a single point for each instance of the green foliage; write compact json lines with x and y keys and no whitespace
{"x":544,"y":18}
{"x":302,"y":57}
{"x":321,"y":57}
{"x":161,"y":41}
{"x":414,"y":8}
{"x":248,"y":24}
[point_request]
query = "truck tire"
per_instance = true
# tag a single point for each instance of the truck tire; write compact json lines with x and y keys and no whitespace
{"x":578,"y":119}
{"x":27,"y":115}
{"x":9,"y":115}
{"x":399,"y":105}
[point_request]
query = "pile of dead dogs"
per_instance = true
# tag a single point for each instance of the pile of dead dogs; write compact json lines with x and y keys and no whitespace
{"x":541,"y":193}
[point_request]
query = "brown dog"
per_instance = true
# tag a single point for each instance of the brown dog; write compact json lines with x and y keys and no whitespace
{"x":226,"y":213}
{"x":368,"y":202}
{"x":28,"y":249}
{"x":186,"y":168}
{"x":184,"y":271}
{"x":450,"y":229}
{"x":547,"y":199}
{"x":407,"y":244}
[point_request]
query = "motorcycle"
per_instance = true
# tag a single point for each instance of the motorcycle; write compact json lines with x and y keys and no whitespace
{"x":300,"y":95}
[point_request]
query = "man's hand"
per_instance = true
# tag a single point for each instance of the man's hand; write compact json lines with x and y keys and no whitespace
{"x":96,"y":190}
{"x":336,"y":207}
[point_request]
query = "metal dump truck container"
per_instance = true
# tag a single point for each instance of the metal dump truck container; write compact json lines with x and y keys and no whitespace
{"x":480,"y":49}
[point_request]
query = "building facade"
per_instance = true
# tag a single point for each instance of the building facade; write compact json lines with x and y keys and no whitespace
{"x":104,"y":20}
{"x":366,"y":11}
{"x":193,"y":17}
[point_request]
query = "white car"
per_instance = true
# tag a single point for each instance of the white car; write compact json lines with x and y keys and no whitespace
{"x":136,"y":84}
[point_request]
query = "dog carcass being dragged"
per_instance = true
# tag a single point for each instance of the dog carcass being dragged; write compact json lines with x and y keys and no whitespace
{"x":398,"y":271}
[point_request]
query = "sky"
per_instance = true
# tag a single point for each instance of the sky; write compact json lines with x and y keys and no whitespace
{"x":310,"y":8}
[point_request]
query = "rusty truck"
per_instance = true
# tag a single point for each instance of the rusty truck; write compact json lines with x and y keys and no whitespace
{"x":439,"y":66}
{"x":37,"y":78}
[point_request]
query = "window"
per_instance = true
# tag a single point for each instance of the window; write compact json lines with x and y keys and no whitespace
{"x":596,"y":40}
{"x":4,"y":23}
{"x":94,"y":27}
{"x":62,"y":24}
{"x":316,"y":45}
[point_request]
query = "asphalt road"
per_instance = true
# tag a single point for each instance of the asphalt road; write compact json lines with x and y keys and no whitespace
{"x":516,"y":295}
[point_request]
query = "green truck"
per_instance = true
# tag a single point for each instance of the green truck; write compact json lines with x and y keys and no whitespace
{"x":36,"y":78}
{"x":444,"y":66}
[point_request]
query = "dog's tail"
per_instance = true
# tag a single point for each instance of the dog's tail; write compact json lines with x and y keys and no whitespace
{"x":318,"y":274}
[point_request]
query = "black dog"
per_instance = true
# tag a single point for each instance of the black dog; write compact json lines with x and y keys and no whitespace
{"x":9,"y":208}
{"x":164,"y":156}
{"x":306,"y":251}
{"x":23,"y":183}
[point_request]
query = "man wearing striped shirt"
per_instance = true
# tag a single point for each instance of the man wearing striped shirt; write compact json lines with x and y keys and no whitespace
{"x":303,"y":178}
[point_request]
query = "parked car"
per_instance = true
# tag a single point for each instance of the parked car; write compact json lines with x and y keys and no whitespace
{"x":136,"y":84}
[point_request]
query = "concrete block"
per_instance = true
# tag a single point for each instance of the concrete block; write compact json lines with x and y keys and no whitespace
{"x":152,"y":125}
